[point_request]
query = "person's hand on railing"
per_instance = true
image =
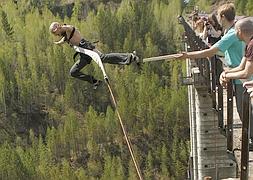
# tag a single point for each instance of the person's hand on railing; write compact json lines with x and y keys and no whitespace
{"x":250,"y":91}
{"x":223,"y":79}
{"x":249,"y":86}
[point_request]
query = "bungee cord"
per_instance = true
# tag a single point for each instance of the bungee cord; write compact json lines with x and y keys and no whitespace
{"x":97,"y":59}
{"x":124,"y":132}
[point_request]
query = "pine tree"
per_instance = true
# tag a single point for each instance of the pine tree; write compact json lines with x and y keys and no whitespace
{"x":108,"y":169}
{"x":67,"y":172}
{"x":95,"y":168}
{"x":94,"y":165}
{"x":132,"y":174}
{"x":119,"y":169}
{"x":44,"y":159}
{"x":80,"y":174}
{"x":164,"y":164}
{"x":149,"y":170}
{"x":8,"y":29}
{"x":241,"y":5}
{"x":107,"y":26}
{"x":77,"y":10}
{"x":52,"y":141}
{"x":11,"y":166}
{"x":249,"y":7}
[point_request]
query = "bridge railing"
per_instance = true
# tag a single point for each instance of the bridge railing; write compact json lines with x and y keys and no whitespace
{"x":210,"y":69}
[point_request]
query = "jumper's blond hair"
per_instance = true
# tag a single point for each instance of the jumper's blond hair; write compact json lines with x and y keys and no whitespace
{"x":52,"y":26}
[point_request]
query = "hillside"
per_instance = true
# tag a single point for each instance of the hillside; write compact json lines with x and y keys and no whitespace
{"x":56,"y":127}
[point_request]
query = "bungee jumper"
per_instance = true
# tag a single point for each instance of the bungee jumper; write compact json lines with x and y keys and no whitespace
{"x":88,"y":52}
{"x":71,"y":35}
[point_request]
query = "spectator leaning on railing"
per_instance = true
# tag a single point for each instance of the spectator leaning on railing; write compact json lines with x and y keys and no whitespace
{"x":244,"y":31}
{"x":229,"y":44}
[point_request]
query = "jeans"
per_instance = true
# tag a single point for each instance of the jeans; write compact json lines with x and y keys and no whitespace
{"x":239,"y":89}
{"x":111,"y":58}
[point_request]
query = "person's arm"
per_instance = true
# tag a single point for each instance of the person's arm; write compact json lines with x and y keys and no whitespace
{"x":205,"y":32}
{"x":201,"y":54}
{"x":222,"y":45}
{"x":223,"y":76}
{"x":67,"y":29}
{"x":61,"y":41}
{"x":248,"y":84}
{"x":243,"y":74}
{"x":238,"y":68}
{"x":215,"y":33}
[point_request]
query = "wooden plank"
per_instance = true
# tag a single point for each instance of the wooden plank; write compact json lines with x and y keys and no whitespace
{"x":214,"y":82}
{"x":164,"y":57}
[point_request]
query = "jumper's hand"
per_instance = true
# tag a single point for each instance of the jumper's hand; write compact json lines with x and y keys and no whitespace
{"x":57,"y":42}
{"x":183,"y":55}
{"x":61,"y":41}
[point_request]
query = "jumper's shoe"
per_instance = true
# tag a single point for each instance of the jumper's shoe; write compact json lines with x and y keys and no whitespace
{"x":96,"y":84}
{"x":136,"y":59}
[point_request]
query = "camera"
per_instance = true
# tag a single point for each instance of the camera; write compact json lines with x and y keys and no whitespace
{"x":207,"y":23}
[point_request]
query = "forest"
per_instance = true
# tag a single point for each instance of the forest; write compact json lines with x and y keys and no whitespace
{"x":53,"y":126}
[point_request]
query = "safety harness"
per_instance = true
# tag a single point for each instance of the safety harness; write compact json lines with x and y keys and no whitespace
{"x":87,"y":45}
{"x":71,"y":35}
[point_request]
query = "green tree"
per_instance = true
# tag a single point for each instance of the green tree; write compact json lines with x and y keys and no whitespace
{"x":249,"y":7}
{"x":132,"y":174}
{"x":149,"y":170}
{"x":164,"y":164}
{"x":119,"y":169}
{"x":67,"y":172}
{"x":241,"y":6}
{"x":11,"y":166}
{"x":8,"y":29}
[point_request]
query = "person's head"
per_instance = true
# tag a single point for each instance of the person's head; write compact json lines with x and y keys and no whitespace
{"x":244,"y":28}
{"x":200,"y":25}
{"x":226,"y":14}
{"x":54,"y":27}
{"x":212,"y":19}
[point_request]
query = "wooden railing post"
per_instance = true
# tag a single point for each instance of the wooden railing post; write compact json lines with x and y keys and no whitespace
{"x":220,"y":95}
{"x":245,"y":136}
{"x":214,"y":82}
{"x":230,"y":116}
